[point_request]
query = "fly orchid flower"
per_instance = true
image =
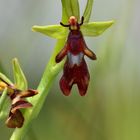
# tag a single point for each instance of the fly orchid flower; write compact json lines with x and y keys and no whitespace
{"x":17,"y":97}
{"x":75,"y":68}
{"x":17,"y":94}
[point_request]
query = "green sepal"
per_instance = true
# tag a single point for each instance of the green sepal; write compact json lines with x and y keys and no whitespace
{"x":71,"y":8}
{"x":54,"y":31}
{"x":4,"y":78}
{"x":95,"y":28}
{"x":88,"y":10}
{"x":19,"y":77}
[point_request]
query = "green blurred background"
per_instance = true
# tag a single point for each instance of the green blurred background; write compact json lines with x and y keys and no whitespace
{"x":111,"y":108}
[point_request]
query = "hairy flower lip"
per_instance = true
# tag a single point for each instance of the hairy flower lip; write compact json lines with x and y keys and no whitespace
{"x":15,"y":119}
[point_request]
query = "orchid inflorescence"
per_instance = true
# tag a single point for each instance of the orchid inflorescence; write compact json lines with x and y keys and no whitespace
{"x":70,"y":44}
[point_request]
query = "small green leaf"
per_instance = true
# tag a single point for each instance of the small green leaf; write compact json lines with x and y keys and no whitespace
{"x":4,"y":78}
{"x":71,"y":8}
{"x":88,"y":10}
{"x":95,"y":28}
{"x":20,"y":80}
{"x":54,"y":31}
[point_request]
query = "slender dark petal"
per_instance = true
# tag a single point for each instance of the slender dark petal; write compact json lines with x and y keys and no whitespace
{"x":90,"y":54}
{"x":20,"y":104}
{"x":87,"y":51}
{"x":28,"y":93}
{"x":61,"y":54}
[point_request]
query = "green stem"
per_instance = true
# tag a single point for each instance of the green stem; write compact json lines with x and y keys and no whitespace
{"x":49,"y":75}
